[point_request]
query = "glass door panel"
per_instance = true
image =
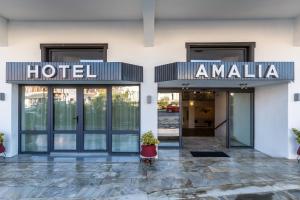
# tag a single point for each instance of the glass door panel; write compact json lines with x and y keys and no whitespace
{"x":169,"y":119}
{"x":34,"y":116}
{"x":240,"y":120}
{"x":95,"y":112}
{"x":65,"y":118}
{"x":125,"y":118}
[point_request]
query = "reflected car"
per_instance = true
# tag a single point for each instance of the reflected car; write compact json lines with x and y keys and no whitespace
{"x":172,"y":108}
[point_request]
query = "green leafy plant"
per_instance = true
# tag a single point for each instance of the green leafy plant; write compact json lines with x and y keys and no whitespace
{"x":297,"y":133}
{"x":1,"y":138}
{"x":149,"y":139}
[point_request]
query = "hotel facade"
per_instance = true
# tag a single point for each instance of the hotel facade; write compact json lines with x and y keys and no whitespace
{"x":74,"y":81}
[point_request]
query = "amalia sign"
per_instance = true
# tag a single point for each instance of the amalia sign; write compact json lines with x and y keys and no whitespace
{"x":218,"y":71}
{"x":262,"y":71}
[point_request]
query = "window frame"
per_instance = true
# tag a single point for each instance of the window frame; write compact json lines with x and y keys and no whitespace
{"x":50,"y":131}
{"x":46,"y":49}
{"x":247,"y":47}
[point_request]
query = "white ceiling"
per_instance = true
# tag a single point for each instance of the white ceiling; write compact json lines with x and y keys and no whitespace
{"x":227,"y":9}
{"x":74,"y":10}
{"x":133,"y":9}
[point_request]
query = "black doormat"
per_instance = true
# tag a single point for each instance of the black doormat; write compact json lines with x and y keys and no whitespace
{"x":208,"y":154}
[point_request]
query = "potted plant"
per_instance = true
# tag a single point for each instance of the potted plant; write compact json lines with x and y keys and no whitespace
{"x":297,"y":133}
{"x":2,"y":148}
{"x":149,"y":143}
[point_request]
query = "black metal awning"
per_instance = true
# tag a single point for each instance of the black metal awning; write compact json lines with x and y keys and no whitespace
{"x":229,"y":71}
{"x":73,"y":73}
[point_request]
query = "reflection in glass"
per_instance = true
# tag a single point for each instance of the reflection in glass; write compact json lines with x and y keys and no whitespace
{"x":125,"y":143}
{"x":94,"y":142}
{"x":125,"y":108}
{"x":64,"y":108}
{"x":240,"y":119}
{"x":34,"y":107}
{"x":65,"y":141}
{"x":168,"y":119}
{"x":34,"y":142}
{"x":94,"y":109}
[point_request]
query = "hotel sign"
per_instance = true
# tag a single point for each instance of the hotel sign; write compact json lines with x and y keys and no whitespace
{"x":225,"y":71}
{"x":69,"y":73}
{"x":51,"y":70}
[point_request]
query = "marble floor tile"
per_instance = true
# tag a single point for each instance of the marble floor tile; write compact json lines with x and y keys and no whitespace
{"x":246,"y":174}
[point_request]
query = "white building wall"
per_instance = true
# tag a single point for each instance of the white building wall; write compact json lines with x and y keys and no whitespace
{"x":3,"y":31}
{"x":271,"y":120}
{"x":274,"y":39}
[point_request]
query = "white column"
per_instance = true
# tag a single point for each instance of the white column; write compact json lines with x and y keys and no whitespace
{"x":297,"y":31}
{"x":13,"y":139}
{"x":3,"y":32}
{"x":148,"y":22}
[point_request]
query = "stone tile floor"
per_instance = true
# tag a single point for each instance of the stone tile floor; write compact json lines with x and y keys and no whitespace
{"x":247,"y":174}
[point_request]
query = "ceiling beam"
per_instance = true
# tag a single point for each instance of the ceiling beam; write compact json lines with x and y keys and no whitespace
{"x":148,"y":22}
{"x":3,"y":32}
{"x":297,"y":32}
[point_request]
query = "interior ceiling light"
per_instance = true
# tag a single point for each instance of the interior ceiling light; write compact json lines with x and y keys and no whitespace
{"x":185,"y":86}
{"x":243,"y":85}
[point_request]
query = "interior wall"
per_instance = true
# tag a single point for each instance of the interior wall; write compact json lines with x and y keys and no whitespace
{"x":221,"y":115}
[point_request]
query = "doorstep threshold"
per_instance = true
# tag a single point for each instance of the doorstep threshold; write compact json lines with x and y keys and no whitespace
{"x":76,"y":154}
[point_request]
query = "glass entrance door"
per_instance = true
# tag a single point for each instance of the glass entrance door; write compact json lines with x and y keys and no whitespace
{"x":85,"y":118}
{"x":240,"y":111}
{"x":65,"y":119}
{"x":79,"y":119}
{"x":94,"y":119}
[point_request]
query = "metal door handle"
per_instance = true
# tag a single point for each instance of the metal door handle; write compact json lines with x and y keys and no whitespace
{"x":76,"y":119}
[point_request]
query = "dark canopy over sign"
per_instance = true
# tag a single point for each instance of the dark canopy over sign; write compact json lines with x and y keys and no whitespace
{"x":225,"y":71}
{"x":63,"y":72}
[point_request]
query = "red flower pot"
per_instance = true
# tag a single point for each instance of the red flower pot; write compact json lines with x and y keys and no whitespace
{"x":2,"y":148}
{"x":298,"y":152}
{"x":148,"y":151}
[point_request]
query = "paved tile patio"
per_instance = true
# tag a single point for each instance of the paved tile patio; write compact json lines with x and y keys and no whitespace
{"x":247,"y":174}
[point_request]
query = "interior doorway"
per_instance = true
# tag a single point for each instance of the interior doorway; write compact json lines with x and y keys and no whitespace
{"x":198,"y":113}
{"x":224,"y":117}
{"x":204,"y":116}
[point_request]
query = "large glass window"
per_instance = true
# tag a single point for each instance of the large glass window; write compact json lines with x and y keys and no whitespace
{"x":95,"y":118}
{"x":234,"y":51}
{"x":125,"y":143}
{"x":94,"y":141}
{"x":168,"y":119}
{"x":79,"y":118}
{"x":74,"y":52}
{"x":125,"y":118}
{"x":34,"y":115}
{"x":125,"y":108}
{"x":64,"y":141}
{"x":34,"y":142}
{"x":34,"y":108}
